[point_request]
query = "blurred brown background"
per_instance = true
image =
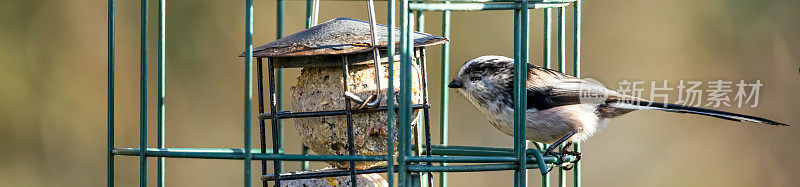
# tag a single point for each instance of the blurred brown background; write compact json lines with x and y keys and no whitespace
{"x":53,"y":88}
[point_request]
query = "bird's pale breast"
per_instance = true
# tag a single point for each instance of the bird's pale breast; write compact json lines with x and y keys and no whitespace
{"x":550,"y":125}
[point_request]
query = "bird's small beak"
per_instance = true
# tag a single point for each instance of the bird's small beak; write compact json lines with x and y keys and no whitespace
{"x":455,"y":84}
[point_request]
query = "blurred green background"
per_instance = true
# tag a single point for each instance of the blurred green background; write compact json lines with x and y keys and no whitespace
{"x":53,"y":88}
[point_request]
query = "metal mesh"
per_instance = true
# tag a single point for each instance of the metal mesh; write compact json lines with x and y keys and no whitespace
{"x":410,"y":167}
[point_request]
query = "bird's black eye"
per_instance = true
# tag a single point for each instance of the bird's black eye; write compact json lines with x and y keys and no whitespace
{"x":475,"y":78}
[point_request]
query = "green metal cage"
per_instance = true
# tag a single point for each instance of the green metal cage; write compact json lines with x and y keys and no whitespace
{"x":412,"y":169}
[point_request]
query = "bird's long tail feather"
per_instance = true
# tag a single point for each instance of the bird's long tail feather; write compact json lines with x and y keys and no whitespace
{"x":646,"y":105}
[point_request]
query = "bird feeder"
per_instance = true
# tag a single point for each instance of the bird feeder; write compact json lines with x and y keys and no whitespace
{"x":338,"y":104}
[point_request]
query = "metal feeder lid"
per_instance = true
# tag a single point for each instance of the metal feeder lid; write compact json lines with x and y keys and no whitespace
{"x":336,"y":37}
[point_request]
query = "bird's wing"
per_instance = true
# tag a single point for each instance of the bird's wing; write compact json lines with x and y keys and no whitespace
{"x":561,"y":89}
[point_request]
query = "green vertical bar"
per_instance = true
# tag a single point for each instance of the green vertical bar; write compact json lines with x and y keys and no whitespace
{"x":547,"y":40}
{"x":422,"y":179}
{"x":309,"y":8}
{"x":546,"y":63}
{"x":562,"y":59}
{"x":162,"y":23}
{"x":419,"y":16}
{"x":248,"y":87}
{"x":420,"y":27}
{"x":390,"y":112}
{"x":520,"y":75}
{"x":143,"y":97}
{"x":445,"y":97}
{"x":523,"y":70}
{"x":415,"y":180}
{"x":545,"y":177}
{"x":518,"y":181}
{"x":309,"y":13}
{"x":576,"y":71}
{"x":576,"y":51}
{"x":279,"y":78}
{"x":110,"y":112}
{"x":304,"y":164}
{"x":577,"y":168}
{"x":527,"y":52}
{"x":405,"y":94}
{"x":562,"y":67}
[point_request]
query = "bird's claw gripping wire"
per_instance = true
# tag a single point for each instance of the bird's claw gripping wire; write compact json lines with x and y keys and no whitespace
{"x":562,"y":155}
{"x":571,"y":165}
{"x":564,"y":165}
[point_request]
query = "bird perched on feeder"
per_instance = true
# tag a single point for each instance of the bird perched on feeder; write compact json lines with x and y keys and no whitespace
{"x":560,"y":108}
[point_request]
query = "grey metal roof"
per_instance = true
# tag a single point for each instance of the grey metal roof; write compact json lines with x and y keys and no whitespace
{"x":336,"y":37}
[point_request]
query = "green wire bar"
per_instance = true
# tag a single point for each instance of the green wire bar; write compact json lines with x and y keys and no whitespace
{"x":405,"y":93}
{"x":143,"y":96}
{"x":488,"y":159}
{"x":576,"y":71}
{"x":546,"y":40}
{"x":224,"y":153}
{"x":520,"y":99}
{"x":420,"y":24}
{"x":489,"y":167}
{"x":248,"y":88}
{"x":520,"y":175}
{"x":453,"y":155}
{"x":562,"y":67}
{"x":162,"y":23}
{"x":110,"y":97}
{"x":279,"y":82}
{"x":477,"y":151}
{"x":390,"y":97}
{"x":444,"y":103}
{"x":546,"y":62}
{"x":239,"y":154}
{"x":562,"y":58}
{"x":467,"y":168}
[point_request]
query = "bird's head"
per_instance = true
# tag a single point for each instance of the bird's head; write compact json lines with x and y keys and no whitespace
{"x":484,"y":77}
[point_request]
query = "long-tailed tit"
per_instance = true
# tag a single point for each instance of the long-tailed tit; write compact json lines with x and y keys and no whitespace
{"x":560,"y":108}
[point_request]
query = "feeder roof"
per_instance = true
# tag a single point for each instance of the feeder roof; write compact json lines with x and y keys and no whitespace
{"x":336,"y":37}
